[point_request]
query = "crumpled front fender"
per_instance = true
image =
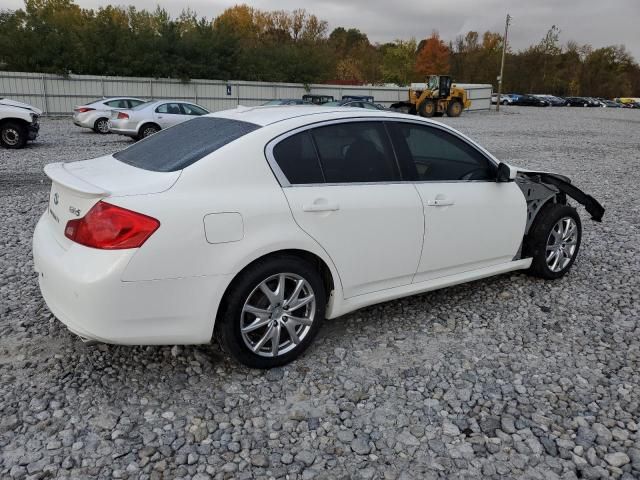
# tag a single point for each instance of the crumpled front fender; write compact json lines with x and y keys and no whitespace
{"x":562,"y":183}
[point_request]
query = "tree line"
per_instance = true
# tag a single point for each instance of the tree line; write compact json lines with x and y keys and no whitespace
{"x":244,"y":43}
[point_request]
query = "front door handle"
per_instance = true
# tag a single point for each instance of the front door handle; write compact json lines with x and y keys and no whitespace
{"x":440,"y":202}
{"x":321,"y":207}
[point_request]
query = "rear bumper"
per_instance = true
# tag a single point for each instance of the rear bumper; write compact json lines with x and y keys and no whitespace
{"x":123,"y":127}
{"x":83,"y":288}
{"x":123,"y":131}
{"x":84,"y":120}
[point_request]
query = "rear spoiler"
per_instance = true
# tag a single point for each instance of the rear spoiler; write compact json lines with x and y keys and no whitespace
{"x":595,"y":209}
{"x":58,"y":173}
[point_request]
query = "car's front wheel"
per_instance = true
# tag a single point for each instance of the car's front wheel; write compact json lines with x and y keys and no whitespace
{"x":272,"y":312}
{"x":553,"y":241}
{"x":13,"y":135}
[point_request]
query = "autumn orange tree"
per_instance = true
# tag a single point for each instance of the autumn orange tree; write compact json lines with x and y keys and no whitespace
{"x":433,"y":56}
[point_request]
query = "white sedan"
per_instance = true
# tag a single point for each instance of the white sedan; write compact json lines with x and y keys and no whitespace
{"x":253,"y":225}
{"x":95,"y":115}
{"x":151,"y":117}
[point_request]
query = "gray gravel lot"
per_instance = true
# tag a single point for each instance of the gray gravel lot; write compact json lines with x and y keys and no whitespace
{"x":509,"y":377}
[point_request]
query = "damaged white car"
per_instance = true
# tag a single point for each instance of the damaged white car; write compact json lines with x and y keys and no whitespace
{"x":18,"y":123}
{"x":253,"y":225}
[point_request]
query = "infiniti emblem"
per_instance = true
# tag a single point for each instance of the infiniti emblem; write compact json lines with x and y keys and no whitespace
{"x":55,"y":198}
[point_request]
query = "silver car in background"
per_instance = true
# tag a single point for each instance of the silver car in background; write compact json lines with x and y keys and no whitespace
{"x":95,"y":115}
{"x":149,"y":118}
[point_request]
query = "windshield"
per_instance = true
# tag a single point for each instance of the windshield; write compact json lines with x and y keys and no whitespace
{"x":184,"y":144}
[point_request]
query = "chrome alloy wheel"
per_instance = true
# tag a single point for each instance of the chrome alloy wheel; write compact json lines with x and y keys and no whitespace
{"x":10,"y":136}
{"x":103,"y":125}
{"x":561,"y":244}
{"x":277,"y":314}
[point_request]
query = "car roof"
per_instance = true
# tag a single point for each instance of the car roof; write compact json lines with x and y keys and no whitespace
{"x":267,"y":115}
{"x":109,"y":99}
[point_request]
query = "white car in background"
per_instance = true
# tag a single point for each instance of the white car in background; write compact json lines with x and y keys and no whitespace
{"x":18,"y":123}
{"x":253,"y":225}
{"x":151,"y":117}
{"x":95,"y":115}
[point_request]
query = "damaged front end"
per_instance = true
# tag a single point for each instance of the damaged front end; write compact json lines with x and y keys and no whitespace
{"x":540,"y":187}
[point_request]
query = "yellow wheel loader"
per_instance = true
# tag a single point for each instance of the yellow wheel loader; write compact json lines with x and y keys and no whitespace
{"x":434,"y":98}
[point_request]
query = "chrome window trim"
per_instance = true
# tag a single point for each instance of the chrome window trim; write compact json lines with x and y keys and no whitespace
{"x":284,"y":182}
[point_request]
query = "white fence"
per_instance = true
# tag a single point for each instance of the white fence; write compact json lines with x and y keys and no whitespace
{"x":56,"y":95}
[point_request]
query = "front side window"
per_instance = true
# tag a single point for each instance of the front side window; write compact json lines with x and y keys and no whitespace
{"x":355,"y":152}
{"x":134,"y":103}
{"x":431,"y":154}
{"x":190,"y":109}
{"x":169,"y":108}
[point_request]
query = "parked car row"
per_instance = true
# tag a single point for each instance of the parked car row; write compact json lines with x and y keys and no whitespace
{"x":137,"y":118}
{"x":541,"y":100}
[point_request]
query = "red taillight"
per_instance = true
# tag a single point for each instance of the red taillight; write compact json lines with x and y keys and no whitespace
{"x":123,"y":116}
{"x":110,"y":227}
{"x":84,"y":109}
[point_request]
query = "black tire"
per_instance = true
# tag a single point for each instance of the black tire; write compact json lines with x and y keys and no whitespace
{"x":245,"y":288}
{"x":147,"y":130}
{"x":454,"y":109}
{"x":540,"y":239}
{"x":101,"y":126}
{"x":505,"y":102}
{"x":427,"y":109}
{"x":13,"y":134}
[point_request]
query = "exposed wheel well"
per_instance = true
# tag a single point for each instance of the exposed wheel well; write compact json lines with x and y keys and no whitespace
{"x":15,"y":120}
{"x":311,"y":258}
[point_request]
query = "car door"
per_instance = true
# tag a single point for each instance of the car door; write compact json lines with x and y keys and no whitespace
{"x":471,"y":221}
{"x":168,"y":114}
{"x":344,"y":189}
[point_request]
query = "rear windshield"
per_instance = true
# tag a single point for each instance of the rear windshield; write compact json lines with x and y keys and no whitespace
{"x":186,"y":143}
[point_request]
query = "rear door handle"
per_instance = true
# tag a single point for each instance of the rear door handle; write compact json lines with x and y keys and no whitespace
{"x":321,"y":207}
{"x":440,"y":202}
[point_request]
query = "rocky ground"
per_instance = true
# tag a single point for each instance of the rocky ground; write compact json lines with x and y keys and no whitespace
{"x":510,"y":377}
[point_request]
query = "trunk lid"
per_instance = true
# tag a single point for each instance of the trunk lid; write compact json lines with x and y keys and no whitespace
{"x":77,"y":186}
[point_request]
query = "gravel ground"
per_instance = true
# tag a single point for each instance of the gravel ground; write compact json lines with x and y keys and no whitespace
{"x":509,"y":377}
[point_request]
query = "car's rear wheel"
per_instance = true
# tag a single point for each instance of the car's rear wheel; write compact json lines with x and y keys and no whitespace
{"x":553,"y":241}
{"x":101,"y":125}
{"x":13,"y":135}
{"x":272,"y":312}
{"x":147,"y":130}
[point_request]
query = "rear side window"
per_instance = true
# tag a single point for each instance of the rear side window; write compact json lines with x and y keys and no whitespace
{"x":169,"y":108}
{"x":355,"y":152}
{"x":184,"y":144}
{"x":118,"y":104}
{"x":296,"y":157}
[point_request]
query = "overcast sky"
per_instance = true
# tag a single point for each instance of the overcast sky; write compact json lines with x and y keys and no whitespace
{"x":598,"y":22}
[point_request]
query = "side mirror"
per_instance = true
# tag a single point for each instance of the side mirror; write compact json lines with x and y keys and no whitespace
{"x":505,"y":173}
